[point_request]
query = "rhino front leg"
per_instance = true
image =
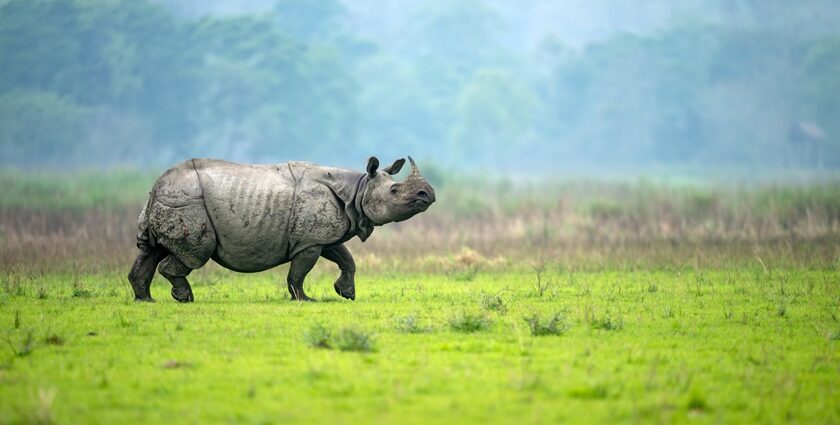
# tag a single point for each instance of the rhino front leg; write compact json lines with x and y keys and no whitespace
{"x":346,"y":283}
{"x":302,"y":263}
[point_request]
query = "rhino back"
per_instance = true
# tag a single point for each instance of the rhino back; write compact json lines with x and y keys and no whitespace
{"x":250,"y":208}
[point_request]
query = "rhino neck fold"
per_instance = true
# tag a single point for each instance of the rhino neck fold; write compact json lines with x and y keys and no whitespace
{"x":363,"y":226}
{"x":350,"y":187}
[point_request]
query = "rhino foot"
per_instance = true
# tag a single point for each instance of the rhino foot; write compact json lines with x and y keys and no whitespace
{"x":182,"y":295}
{"x":144,"y":300}
{"x":348,"y":292}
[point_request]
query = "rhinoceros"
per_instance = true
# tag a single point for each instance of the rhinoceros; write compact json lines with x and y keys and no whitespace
{"x":252,"y":217}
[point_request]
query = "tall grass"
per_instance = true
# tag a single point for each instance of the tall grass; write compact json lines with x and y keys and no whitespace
{"x":78,"y":191}
{"x":88,"y":220}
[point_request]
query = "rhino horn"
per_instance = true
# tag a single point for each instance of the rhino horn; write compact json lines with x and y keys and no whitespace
{"x":414,"y":170}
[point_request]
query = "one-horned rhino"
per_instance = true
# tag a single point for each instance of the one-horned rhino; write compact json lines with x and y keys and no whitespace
{"x":250,"y":218}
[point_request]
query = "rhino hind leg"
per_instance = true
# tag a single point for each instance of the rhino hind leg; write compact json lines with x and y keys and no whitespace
{"x":345,"y":285}
{"x":300,"y":266}
{"x":143,"y":269}
{"x":176,"y":273}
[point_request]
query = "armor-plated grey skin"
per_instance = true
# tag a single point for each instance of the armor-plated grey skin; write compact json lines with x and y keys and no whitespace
{"x":250,"y":218}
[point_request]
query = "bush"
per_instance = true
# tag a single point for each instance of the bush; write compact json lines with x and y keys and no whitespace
{"x":469,"y":322}
{"x":318,"y":337}
{"x":346,"y":339}
{"x":410,"y":325}
{"x":493,"y":303}
{"x":555,"y":325}
{"x":608,"y":322}
{"x":349,"y":339}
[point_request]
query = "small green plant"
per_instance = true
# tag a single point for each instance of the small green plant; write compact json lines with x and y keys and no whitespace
{"x":12,"y":286}
{"x":466,"y":274}
{"x":554,"y":325}
{"x":349,"y":339}
{"x":121,"y":320}
{"x":24,"y":348}
{"x":697,"y":402}
{"x":495,"y":303}
{"x":781,"y":308}
{"x":591,"y":392}
{"x":318,"y":336}
{"x":79,"y":291}
{"x":469,"y":322}
{"x":607,"y":322}
{"x":410,"y":325}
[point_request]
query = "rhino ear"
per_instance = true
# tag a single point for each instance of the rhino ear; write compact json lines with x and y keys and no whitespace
{"x":373,"y":164}
{"x":395,"y":167}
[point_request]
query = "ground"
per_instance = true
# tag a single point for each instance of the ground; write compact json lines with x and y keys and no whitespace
{"x":733,"y":345}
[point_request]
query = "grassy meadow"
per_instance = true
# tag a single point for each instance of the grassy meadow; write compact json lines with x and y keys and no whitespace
{"x":580,"y":302}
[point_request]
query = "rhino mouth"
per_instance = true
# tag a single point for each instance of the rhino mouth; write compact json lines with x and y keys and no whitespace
{"x":419,"y":202}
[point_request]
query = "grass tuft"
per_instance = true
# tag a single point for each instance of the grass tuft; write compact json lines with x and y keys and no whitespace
{"x":25,"y":347}
{"x":469,"y":322}
{"x":410,"y":325}
{"x":346,"y":339}
{"x":318,"y":336}
{"x":349,"y":339}
{"x":554,"y":325}
{"x":607,"y":322}
{"x":495,"y":303}
{"x":590,"y":392}
{"x":697,"y":403}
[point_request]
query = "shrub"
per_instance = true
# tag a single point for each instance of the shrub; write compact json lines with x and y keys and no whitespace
{"x":318,"y":337}
{"x":349,"y":339}
{"x":554,"y":325}
{"x":346,"y":339}
{"x":410,"y":325}
{"x":697,"y":402}
{"x":469,"y":322}
{"x":591,"y":392}
{"x":493,"y":303}
{"x":608,"y":322}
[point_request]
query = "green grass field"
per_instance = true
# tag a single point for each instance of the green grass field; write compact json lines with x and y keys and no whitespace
{"x":737,"y":345}
{"x":654,"y":302}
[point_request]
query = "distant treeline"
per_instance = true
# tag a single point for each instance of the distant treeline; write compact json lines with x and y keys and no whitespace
{"x":89,"y":82}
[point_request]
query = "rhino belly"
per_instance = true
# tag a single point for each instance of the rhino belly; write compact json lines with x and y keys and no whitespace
{"x":249,"y":206}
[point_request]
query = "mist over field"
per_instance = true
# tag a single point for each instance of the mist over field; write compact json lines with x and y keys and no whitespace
{"x":520,"y":88}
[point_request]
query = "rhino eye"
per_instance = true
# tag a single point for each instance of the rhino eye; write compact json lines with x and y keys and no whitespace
{"x":393,"y":190}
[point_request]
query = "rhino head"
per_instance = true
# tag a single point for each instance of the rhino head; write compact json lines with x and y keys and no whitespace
{"x":386,"y":200}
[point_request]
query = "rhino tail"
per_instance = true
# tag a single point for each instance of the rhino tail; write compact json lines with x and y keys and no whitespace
{"x":146,"y":238}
